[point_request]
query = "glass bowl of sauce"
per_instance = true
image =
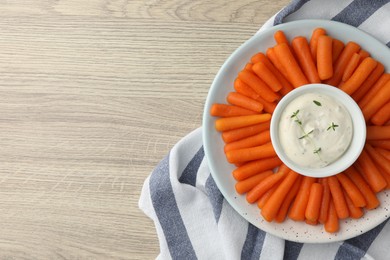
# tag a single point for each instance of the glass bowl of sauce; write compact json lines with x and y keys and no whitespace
{"x":318,"y":130}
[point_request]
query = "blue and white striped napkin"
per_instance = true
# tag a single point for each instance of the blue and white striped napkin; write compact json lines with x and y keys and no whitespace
{"x":194,"y":221}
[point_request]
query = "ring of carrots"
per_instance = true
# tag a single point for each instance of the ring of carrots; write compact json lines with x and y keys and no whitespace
{"x":244,"y":124}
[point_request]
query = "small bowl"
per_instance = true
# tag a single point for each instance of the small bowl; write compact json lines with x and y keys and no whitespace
{"x":358,"y":124}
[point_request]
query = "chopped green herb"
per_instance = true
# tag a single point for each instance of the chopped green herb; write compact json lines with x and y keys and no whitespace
{"x":295,"y":113}
{"x":332,"y":126}
{"x":317,"y":103}
{"x":306,"y":135}
{"x":317,"y":150}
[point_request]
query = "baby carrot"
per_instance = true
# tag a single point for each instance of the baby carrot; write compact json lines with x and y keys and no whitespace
{"x":280,"y":37}
{"x":324,"y":57}
{"x":240,"y":100}
{"x":271,"y":55}
{"x":249,"y":169}
{"x":354,"y":212}
{"x":286,"y":85}
{"x":337,"y":48}
{"x":342,"y":61}
{"x":294,"y":72}
{"x":244,"y":132}
{"x":351,"y":189}
{"x":314,"y":41}
{"x":351,"y":66}
{"x":247,"y":184}
{"x":229,"y":123}
{"x":382,"y":115}
{"x":223,"y":110}
{"x":254,"y":194}
{"x":251,"y":153}
{"x":305,"y":59}
{"x":338,"y":198}
{"x":312,"y":211}
{"x":369,"y":82}
{"x":363,"y":54}
{"x":359,"y":75}
{"x":251,"y":141}
{"x":370,"y":197}
{"x":332,"y":221}
{"x":297,"y":210}
{"x":326,"y":198}
{"x":377,"y":101}
{"x":257,"y":85}
{"x":309,"y":222}
{"x":372,"y":92}
{"x":284,"y":207}
{"x":244,"y":89}
{"x":370,"y":172}
{"x":265,"y":197}
{"x":378,"y":132}
{"x":378,"y":158}
{"x":248,"y":66}
{"x":273,"y":204}
{"x":385,"y":153}
{"x":267,"y":76}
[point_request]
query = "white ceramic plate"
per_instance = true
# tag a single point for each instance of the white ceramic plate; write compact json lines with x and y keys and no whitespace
{"x":213,"y":144}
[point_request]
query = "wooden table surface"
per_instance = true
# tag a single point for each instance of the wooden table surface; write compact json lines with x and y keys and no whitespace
{"x":94,"y":94}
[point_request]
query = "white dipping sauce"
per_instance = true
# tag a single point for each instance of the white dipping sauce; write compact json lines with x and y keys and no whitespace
{"x":315,"y":130}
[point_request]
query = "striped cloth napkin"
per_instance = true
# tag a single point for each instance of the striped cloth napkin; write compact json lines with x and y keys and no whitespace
{"x":194,"y":221}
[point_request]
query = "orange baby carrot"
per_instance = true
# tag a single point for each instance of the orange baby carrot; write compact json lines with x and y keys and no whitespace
{"x":229,"y":123}
{"x":286,"y":85}
{"x":385,"y":153}
{"x":280,"y":37}
{"x":244,"y":132}
{"x":247,"y":184}
{"x":257,"y":85}
{"x":244,"y":89}
{"x":326,"y":198}
{"x":337,"y":48}
{"x":351,"y":66}
{"x":382,"y":115}
{"x":264,"y":198}
{"x":354,"y":212}
{"x":249,"y":169}
{"x":254,"y":194}
{"x":370,"y":197}
{"x":351,"y":189}
{"x":359,"y":75}
{"x":342,"y":61}
{"x":223,"y":110}
{"x":313,"y":43}
{"x":267,"y":76}
{"x":377,"y":101}
{"x":269,"y":107}
{"x":251,"y":141}
{"x":379,"y":159}
{"x":363,"y":54}
{"x":248,"y":66}
{"x":297,"y":210}
{"x":324,"y":57}
{"x":240,"y":100}
{"x":371,"y":173}
{"x":378,"y":132}
{"x":305,"y":59}
{"x":271,"y":55}
{"x":284,"y":207}
{"x":369,"y":82}
{"x":338,"y":198}
{"x":372,"y":92}
{"x":251,"y":153}
{"x":273,"y":204}
{"x":332,"y":221}
{"x":294,"y":72}
{"x":312,"y":211}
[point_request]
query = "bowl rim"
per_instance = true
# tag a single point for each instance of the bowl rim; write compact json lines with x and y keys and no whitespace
{"x":358,"y":137}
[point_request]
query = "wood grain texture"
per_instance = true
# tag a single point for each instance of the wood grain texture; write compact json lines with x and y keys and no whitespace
{"x":94,"y":94}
